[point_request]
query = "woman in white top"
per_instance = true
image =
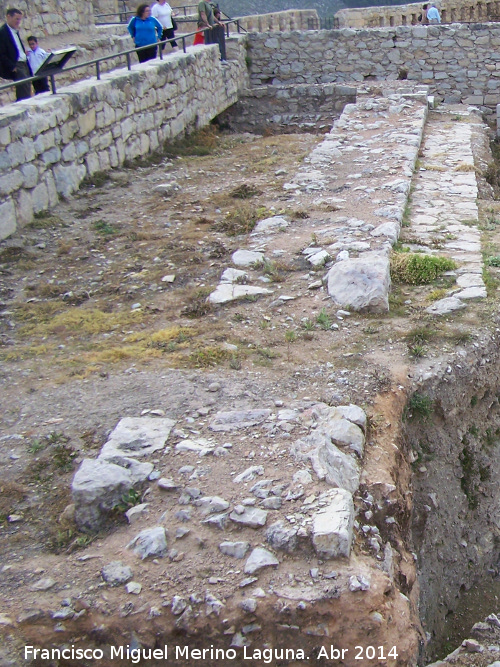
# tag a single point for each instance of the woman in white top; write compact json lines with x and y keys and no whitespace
{"x":163,"y":12}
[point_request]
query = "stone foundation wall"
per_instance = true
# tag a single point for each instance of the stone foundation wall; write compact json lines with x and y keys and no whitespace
{"x":459,"y":63}
{"x":452,"y":11}
{"x":50,"y":143}
{"x":303,"y":108}
{"x":51,"y":17}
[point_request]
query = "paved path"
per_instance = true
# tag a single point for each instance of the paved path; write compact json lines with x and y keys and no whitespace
{"x":443,"y":212}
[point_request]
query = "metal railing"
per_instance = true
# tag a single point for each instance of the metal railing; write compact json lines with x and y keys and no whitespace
{"x":126,"y":54}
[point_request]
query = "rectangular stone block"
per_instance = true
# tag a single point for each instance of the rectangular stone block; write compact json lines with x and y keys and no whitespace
{"x":8,"y":220}
{"x":333,"y":527}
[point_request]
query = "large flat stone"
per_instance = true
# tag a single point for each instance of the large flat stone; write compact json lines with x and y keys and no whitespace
{"x":137,"y":436}
{"x":362,"y":283}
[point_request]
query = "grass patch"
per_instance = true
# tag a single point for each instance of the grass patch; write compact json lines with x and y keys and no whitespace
{"x":276,"y":271}
{"x":418,"y":269}
{"x":491,"y":281}
{"x":245,"y":191}
{"x":419,"y":406}
{"x":419,"y":335}
{"x":241,"y":220}
{"x":45,"y":220}
{"x":97,"y":180}
{"x":493,"y":261}
{"x":208,"y":357}
{"x":198,"y":304}
{"x":171,"y":339}
{"x":78,"y":321}
{"x":104,"y":228}
{"x":436,"y":294}
{"x":197,"y":144}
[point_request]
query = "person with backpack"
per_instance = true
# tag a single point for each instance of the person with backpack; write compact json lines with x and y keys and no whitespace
{"x":145,"y":30}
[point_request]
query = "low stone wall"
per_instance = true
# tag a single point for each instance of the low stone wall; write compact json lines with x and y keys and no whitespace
{"x":459,"y":63}
{"x":95,"y":48}
{"x":452,"y":11}
{"x":52,"y":17}
{"x":50,"y":143}
{"x":303,"y":108}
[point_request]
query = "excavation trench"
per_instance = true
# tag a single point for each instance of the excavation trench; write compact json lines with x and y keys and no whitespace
{"x":452,"y":432}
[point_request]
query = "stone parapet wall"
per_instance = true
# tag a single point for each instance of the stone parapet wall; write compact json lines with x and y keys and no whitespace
{"x":451,"y":11}
{"x":302,"y":108}
{"x":49,"y":144}
{"x":459,"y":63}
{"x":292,"y":19}
{"x":52,"y":17}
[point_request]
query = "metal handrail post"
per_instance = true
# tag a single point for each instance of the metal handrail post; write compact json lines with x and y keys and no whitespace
{"x":53,"y":84}
{"x":98,"y":71}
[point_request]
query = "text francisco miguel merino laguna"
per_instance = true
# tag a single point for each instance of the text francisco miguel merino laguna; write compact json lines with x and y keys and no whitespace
{"x":172,"y":654}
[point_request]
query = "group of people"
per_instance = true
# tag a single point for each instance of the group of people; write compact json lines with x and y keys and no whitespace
{"x":18,"y":62}
{"x":153,"y":24}
{"x":430,"y":14}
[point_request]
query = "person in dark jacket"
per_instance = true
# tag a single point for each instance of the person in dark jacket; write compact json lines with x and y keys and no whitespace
{"x":13,"y":61}
{"x":145,"y":30}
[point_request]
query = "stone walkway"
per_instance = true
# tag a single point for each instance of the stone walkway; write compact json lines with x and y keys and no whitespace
{"x":443,"y":213}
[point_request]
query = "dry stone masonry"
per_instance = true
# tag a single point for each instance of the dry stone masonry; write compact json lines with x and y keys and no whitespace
{"x":459,"y":62}
{"x":50,"y":144}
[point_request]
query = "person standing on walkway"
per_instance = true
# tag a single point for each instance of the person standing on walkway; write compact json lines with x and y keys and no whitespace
{"x":219,"y":34}
{"x":36,"y":57}
{"x":13,"y":60}
{"x":162,"y":11}
{"x":206,"y":22}
{"x":433,"y":14}
{"x":145,"y":30}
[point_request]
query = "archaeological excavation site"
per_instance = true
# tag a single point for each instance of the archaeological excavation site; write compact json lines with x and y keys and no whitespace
{"x":250,"y":372}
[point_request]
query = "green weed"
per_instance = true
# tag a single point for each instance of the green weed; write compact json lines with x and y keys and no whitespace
{"x":419,"y":406}
{"x":323,"y":319}
{"x":418,"y":269}
{"x":104,"y":228}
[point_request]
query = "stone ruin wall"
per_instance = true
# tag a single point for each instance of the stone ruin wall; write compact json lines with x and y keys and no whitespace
{"x":297,"y":108}
{"x":459,"y":63}
{"x":52,"y":17}
{"x":50,"y":143}
{"x":451,"y":11}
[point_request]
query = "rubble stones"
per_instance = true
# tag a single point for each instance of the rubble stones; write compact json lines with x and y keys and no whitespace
{"x":249,"y":474}
{"x":151,"y":542}
{"x":253,"y":517}
{"x":282,"y":537}
{"x":98,"y":486}
{"x":115,"y":573}
{"x":258,"y":559}
{"x":231,"y":421}
{"x":234,"y":549}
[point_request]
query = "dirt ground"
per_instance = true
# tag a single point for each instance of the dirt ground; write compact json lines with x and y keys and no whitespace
{"x":104,"y":315}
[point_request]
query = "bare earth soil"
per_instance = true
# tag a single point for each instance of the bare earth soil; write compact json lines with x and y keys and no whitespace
{"x":104,"y":315}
